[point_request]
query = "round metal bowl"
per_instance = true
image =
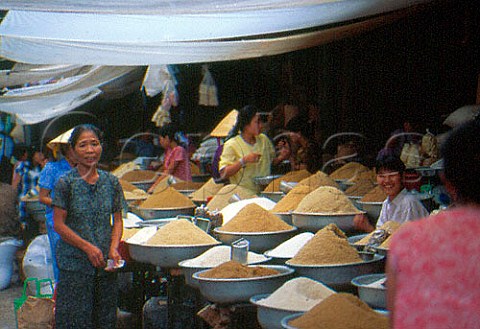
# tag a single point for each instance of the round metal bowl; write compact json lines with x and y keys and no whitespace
{"x":339,"y":276}
{"x":371,"y":208}
{"x":381,"y":251}
{"x":288,"y":318}
{"x":165,"y":256}
{"x":144,"y":185}
{"x":344,"y":184}
{"x":274,"y":196}
{"x":259,"y":241}
{"x":263,"y":181}
{"x":35,"y":209}
{"x":355,"y":238}
{"x":269,"y":317}
{"x":228,"y":291}
{"x":156,"y":222}
{"x":354,"y":199}
{"x":315,"y":221}
{"x":188,"y":271}
{"x":373,"y":296}
{"x":157,"y":213}
{"x":285,"y":216}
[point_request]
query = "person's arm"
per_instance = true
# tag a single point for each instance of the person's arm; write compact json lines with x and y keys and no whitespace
{"x":232,"y":169}
{"x":44,"y":197}
{"x":117,"y":232}
{"x":95,"y":255}
{"x":157,"y":181}
{"x":16,"y":177}
{"x":361,"y":223}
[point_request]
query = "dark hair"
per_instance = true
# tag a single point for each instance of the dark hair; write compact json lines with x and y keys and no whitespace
{"x":461,"y":158}
{"x":169,"y":130}
{"x":391,"y":163}
{"x":244,"y":117}
{"x":19,"y":150}
{"x":78,"y":130}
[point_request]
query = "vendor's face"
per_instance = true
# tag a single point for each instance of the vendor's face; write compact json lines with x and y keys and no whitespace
{"x":164,"y":141}
{"x":88,"y":149}
{"x":255,"y":126}
{"x":391,"y":182}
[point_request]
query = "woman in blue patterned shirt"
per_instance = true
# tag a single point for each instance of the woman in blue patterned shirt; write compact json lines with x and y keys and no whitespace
{"x":87,"y":216}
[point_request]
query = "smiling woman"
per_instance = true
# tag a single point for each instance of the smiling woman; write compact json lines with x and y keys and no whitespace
{"x":86,"y":199}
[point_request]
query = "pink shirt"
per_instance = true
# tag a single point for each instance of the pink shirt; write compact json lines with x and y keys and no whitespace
{"x":437,"y":266}
{"x":182,"y":168}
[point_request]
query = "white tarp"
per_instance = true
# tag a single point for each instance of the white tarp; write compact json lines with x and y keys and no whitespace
{"x":171,"y":32}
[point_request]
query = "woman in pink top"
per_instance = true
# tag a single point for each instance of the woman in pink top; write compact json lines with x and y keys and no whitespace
{"x":176,"y":161}
{"x":433,"y":266}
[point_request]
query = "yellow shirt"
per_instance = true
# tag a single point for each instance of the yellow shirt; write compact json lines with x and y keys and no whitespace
{"x":236,"y":148}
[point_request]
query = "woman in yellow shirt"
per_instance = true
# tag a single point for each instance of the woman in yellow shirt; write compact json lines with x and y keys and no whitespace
{"x":249,"y":153}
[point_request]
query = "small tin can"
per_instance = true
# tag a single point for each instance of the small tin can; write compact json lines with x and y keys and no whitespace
{"x":239,"y":251}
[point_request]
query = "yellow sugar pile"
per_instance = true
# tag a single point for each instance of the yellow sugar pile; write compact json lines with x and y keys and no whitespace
{"x":364,"y":175}
{"x":290,"y":201}
{"x":180,"y":232}
{"x":292,"y":176}
{"x":327,"y":200}
{"x":360,"y":188}
{"x":221,"y":199}
{"x":139,"y":175}
{"x":253,"y":218}
{"x":168,"y":198}
{"x":318,"y":179}
{"x":328,"y":246}
{"x":348,"y":171}
{"x":210,"y":188}
{"x":374,"y":195}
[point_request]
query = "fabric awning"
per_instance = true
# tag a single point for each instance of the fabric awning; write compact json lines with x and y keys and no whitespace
{"x":173,"y":32}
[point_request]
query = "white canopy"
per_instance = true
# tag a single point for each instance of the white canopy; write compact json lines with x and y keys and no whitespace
{"x":148,"y":32}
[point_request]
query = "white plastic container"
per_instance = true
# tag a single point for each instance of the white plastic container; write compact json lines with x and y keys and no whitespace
{"x":8,"y":248}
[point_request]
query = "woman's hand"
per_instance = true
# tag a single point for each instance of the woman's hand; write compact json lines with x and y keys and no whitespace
{"x":361,"y":223}
{"x":95,"y":256}
{"x":115,"y":256}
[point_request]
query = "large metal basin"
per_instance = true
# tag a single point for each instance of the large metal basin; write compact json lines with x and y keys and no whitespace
{"x":165,"y":256}
{"x":374,"y":296}
{"x":228,"y":291}
{"x":285,"y":216}
{"x":316,"y":221}
{"x":157,"y":213}
{"x":371,"y":208}
{"x":259,"y":241}
{"x":156,"y":222}
{"x":269,"y":317}
{"x":339,"y":276}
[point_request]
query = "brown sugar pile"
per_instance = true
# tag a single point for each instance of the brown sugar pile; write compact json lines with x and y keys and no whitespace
{"x":390,"y":226}
{"x":360,"y":188}
{"x":180,"y":232}
{"x":318,"y":179}
{"x":364,"y":175}
{"x":327,"y":200}
{"x":292,"y":176}
{"x":167,"y":198}
{"x":328,"y":246}
{"x":185,"y":186}
{"x":221,"y":199}
{"x":139,"y":175}
{"x":210,"y":188}
{"x":290,"y":201}
{"x":235,"y":270}
{"x":127,"y":186}
{"x":341,"y":311}
{"x":129,"y":232}
{"x":374,"y":195}
{"x":348,"y":171}
{"x":165,"y":182}
{"x":253,"y":218}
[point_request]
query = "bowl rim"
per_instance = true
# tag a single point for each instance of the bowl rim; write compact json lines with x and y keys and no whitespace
{"x":216,"y":230}
{"x":272,"y":193}
{"x":355,"y":282}
{"x":328,"y":214}
{"x":286,"y":271}
{"x":370,"y":202}
{"x":209,"y":267}
{"x":376,"y":258}
{"x":173,"y":246}
{"x":288,"y":318}
{"x":255,"y":298}
{"x":166,"y":209}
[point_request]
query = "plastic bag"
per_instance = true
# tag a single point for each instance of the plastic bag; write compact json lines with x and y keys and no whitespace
{"x":37,"y":262}
{"x":207,"y":90}
{"x":410,"y":155}
{"x":37,"y":311}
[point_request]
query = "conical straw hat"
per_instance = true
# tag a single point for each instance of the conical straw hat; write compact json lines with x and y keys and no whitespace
{"x":224,"y":127}
{"x":61,"y":139}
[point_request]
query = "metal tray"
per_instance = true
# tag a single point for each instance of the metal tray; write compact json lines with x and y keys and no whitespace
{"x":228,"y":291}
{"x":371,"y":208}
{"x":339,"y":276}
{"x":157,"y":213}
{"x":373,"y":296}
{"x":274,"y":196}
{"x":285,"y":216}
{"x":165,"y":256}
{"x":269,"y":317}
{"x":315,"y":221}
{"x":259,"y":241}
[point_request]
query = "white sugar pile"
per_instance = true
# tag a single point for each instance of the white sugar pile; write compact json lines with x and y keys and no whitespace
{"x":289,"y":248}
{"x":219,"y":255}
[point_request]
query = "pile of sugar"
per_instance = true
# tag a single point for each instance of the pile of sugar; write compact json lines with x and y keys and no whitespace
{"x":289,"y":248}
{"x":317,"y":180}
{"x":183,"y":186}
{"x":290,"y":201}
{"x":292,"y":176}
{"x":254,"y":218}
{"x":221,"y":199}
{"x":180,"y":232}
{"x":299,"y":294}
{"x":235,"y":270}
{"x":232,"y":209}
{"x":165,"y":199}
{"x":390,"y":226}
{"x":139,"y":175}
{"x":374,"y":195}
{"x":327,"y":200}
{"x":348,"y":171}
{"x":210,"y":188}
{"x":219,"y":255}
{"x":360,"y":188}
{"x":364,"y":175}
